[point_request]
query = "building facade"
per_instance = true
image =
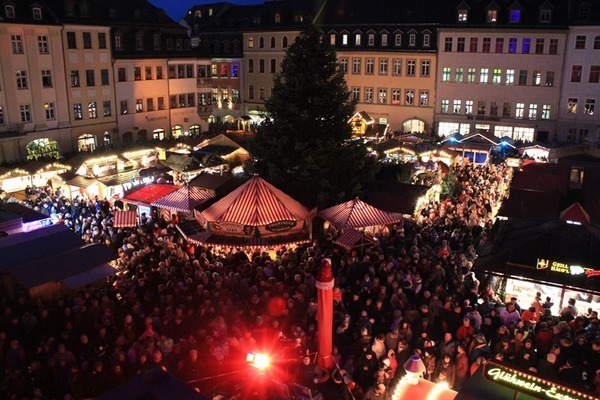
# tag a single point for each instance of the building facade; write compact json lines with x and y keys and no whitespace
{"x":500,"y":71}
{"x":34,"y":117}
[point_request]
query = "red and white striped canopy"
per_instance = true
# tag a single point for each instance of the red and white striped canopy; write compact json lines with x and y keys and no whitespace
{"x":256,"y":203}
{"x":357,"y":214}
{"x":185,"y":199}
{"x":124,"y":219}
{"x":351,"y":238}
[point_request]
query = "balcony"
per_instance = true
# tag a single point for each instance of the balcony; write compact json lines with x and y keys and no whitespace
{"x":203,"y":83}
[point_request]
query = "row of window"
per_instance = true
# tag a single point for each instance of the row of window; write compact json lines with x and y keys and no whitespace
{"x":92,"y":110}
{"x":383,"y":39}
{"x":18,"y":46}
{"x":497,"y":76}
{"x":500,"y":45}
{"x":384,"y":68}
{"x":23,"y":82}
{"x":272,"y":40}
{"x":396,"y":96}
{"x":9,"y":12}
{"x":577,"y":73}
{"x":514,"y":15}
{"x":581,"y":42}
{"x":90,"y":77}
{"x":589,"y":107}
{"x":224,"y":95}
{"x":181,"y":100}
{"x":179,"y":71}
{"x":86,"y":40}
{"x":172,"y":44}
{"x":533,"y":112}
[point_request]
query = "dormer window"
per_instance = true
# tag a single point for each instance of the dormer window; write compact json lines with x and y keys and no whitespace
{"x":277,"y":18}
{"x":426,"y":40}
{"x":139,"y":41}
{"x":384,"y":39}
{"x":298,"y":18}
{"x":332,"y":39}
{"x":345,"y":39}
{"x":118,"y":41}
{"x":492,"y":16}
{"x":198,"y":14}
{"x":398,"y":39}
{"x":357,"y":38}
{"x":210,"y":12}
{"x":137,"y":15}
{"x":545,"y":16}
{"x":463,"y":16}
{"x":256,"y":20}
{"x":156,"y":40}
{"x":112,"y":13}
{"x":250,"y":43}
{"x":37,"y":13}
{"x":412,"y":40}
{"x":515,"y":16}
{"x":9,"y":11}
{"x":583,"y":12}
{"x":371,"y":39}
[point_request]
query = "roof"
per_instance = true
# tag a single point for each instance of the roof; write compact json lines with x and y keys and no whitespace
{"x":22,"y":248}
{"x":146,"y":195}
{"x":352,"y":238}
{"x":544,"y":177}
{"x":79,"y":264}
{"x":24,"y":14}
{"x":517,"y":245}
{"x":154,"y":384}
{"x":19,"y":210}
{"x":357,"y":214}
{"x":522,"y":203}
{"x":181,"y":162}
{"x":82,"y":181}
{"x":51,"y":254}
{"x":575,"y":213}
{"x":185,"y":199}
{"x":124,"y":219}
{"x":256,"y":203}
{"x":210,"y":182}
{"x":397,"y":198}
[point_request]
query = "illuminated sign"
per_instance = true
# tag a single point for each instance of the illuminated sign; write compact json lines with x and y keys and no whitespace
{"x":530,"y":384}
{"x":564,"y":268}
{"x":280,"y":226}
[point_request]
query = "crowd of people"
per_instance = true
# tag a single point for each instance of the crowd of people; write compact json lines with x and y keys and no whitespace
{"x":198,"y":311}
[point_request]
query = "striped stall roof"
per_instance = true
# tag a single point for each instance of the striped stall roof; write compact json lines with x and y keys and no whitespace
{"x":124,"y":219}
{"x":186,"y":199}
{"x":357,"y":214}
{"x":256,"y":203}
{"x":351,"y":237}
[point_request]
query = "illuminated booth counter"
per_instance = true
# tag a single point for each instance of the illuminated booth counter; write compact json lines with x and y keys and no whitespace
{"x":560,"y":258}
{"x":495,"y":380}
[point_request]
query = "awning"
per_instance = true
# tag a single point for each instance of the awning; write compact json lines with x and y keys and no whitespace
{"x":352,"y":238}
{"x":90,"y":276}
{"x":357,"y":214}
{"x":146,"y":195}
{"x":124,"y":219}
{"x":186,"y":199}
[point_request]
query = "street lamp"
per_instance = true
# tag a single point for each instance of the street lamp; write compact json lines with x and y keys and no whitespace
{"x":414,"y":368}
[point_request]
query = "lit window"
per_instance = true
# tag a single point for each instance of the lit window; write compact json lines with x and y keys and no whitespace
{"x":510,"y":76}
{"x":332,"y":39}
{"x":492,"y":16}
{"x":424,"y":98}
{"x":371,"y":39}
{"x":49,"y":109}
{"x":345,"y":39}
{"x":496,"y":78}
{"x":409,"y":97}
{"x":546,"y":111}
{"x":92,"y":110}
{"x":446,"y":71}
{"x":469,"y":107}
{"x":357,"y":38}
{"x":590,"y":106}
{"x":533,"y":111}
{"x":382,"y":96}
{"x":456,"y":107}
{"x":483,"y":76}
{"x":463,"y":15}
{"x":458,"y":75}
{"x":520,"y":110}
{"x":572,"y":105}
{"x":515,"y":16}
{"x":445,"y":106}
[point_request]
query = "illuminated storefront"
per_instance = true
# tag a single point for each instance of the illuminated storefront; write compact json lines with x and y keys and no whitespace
{"x":560,"y":258}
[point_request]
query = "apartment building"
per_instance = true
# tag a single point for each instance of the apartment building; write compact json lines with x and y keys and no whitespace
{"x":34,"y":118}
{"x":246,"y":45}
{"x":578,"y":113}
{"x":500,"y":70}
{"x":390,"y":72}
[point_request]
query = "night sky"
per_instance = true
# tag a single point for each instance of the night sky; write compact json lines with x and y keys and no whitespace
{"x":176,"y":9}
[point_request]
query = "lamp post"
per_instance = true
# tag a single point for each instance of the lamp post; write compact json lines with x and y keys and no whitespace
{"x":324,"y":284}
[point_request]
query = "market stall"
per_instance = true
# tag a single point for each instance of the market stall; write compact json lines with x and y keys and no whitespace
{"x":256,"y":214}
{"x":557,"y":257}
{"x":500,"y":381}
{"x":140,"y":199}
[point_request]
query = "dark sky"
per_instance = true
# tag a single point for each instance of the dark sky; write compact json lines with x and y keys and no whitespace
{"x":176,"y":9}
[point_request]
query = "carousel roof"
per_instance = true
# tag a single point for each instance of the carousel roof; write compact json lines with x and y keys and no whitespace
{"x":256,"y":203}
{"x":357,"y":214}
{"x":185,"y":199}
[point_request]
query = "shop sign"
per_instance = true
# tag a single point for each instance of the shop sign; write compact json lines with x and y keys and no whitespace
{"x":280,"y":226}
{"x":564,"y":268}
{"x":230,"y":227}
{"x":529,"y":384}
